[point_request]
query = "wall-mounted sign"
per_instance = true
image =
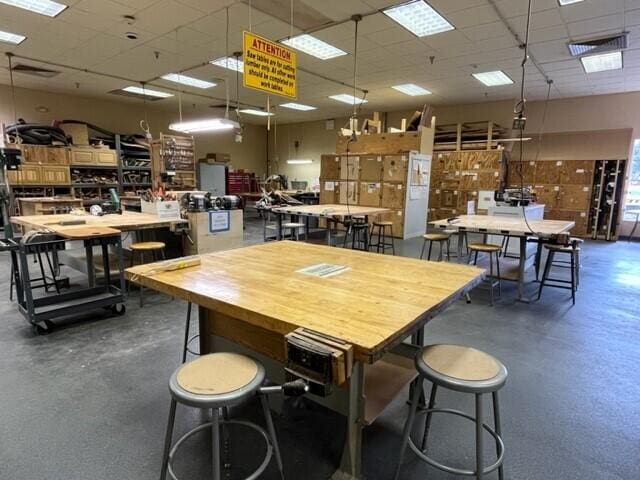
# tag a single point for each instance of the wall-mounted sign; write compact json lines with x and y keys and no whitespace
{"x":269,"y":66}
{"x":219,"y":221}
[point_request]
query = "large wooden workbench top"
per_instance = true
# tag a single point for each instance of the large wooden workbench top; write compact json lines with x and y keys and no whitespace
{"x":372,"y":305}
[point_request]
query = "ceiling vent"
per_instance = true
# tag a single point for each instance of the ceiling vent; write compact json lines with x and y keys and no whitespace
{"x":124,"y":93}
{"x":35,"y":71}
{"x":598,"y":45}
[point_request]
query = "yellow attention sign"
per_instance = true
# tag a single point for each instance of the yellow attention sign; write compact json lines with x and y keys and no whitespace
{"x":269,"y":67}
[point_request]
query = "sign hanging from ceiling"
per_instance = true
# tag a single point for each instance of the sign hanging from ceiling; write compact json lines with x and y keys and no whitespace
{"x":269,"y":67}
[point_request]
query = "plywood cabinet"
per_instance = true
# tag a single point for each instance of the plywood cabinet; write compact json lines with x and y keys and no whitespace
{"x":43,"y":155}
{"x":370,"y":193}
{"x":93,"y":156}
{"x":395,"y":168}
{"x":55,"y":175}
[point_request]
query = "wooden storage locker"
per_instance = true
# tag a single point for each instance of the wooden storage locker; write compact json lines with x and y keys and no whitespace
{"x":26,"y":175}
{"x":57,"y":156}
{"x":435,"y":195}
{"x":370,"y":193}
{"x":577,"y":172}
{"x":481,"y":160}
{"x":574,"y":197}
{"x":396,"y":217}
{"x":479,"y":180}
{"x":105,"y":157}
{"x":33,"y":154}
{"x":547,"y":195}
{"x":465,"y":196}
{"x":328,"y":190}
{"x":453,"y":161}
{"x":55,"y":175}
{"x":392,"y":195}
{"x":395,"y":168}
{"x":347,"y":193}
{"x":449,"y":199}
{"x":528,"y":173}
{"x":371,"y":168}
{"x":330,"y":167}
{"x":436,"y":179}
{"x":81,"y":156}
{"x":349,"y":168}
{"x":548,"y":172}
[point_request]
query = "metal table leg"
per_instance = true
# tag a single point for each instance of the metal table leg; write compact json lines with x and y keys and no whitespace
{"x":351,"y":463}
{"x":279,"y":225}
{"x":521,"y":270}
{"x":91,"y":273}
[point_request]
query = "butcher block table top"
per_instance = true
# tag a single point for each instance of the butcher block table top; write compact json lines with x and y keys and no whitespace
{"x":126,"y":221}
{"x":373,"y":304}
{"x":329,"y":210}
{"x":506,"y":225}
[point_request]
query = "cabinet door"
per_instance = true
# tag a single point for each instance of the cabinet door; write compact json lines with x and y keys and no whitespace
{"x":56,"y":175}
{"x":34,"y":154}
{"x":105,"y":157}
{"x":81,"y":157}
{"x":30,"y":174}
{"x":57,"y":156}
{"x":392,"y":195}
{"x":329,"y":167}
{"x":371,"y":168}
{"x":395,"y":168}
{"x":370,"y":194}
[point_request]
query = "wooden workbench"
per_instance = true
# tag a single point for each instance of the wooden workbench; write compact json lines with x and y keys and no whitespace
{"x":513,"y":227}
{"x":326,"y":211}
{"x":253,"y":296}
{"x":47,"y":205}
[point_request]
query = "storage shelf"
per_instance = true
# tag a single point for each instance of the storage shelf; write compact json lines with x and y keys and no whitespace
{"x":94,"y":185}
{"x":146,"y":169}
{"x":135,"y":184}
{"x":96,"y":167}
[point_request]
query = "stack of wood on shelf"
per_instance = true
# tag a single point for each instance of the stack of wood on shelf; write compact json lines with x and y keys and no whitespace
{"x":373,"y":172}
{"x":563,"y":186}
{"x":173,"y":162}
{"x":459,"y":177}
{"x":485,"y":135}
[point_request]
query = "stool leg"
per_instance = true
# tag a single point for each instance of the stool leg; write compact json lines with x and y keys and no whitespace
{"x":424,"y":244}
{"x":479,"y":440}
{"x":44,"y":277}
{"x":448,"y":249}
{"x":573,"y":278}
{"x":475,"y":258}
{"x":498,"y":273}
{"x":491,"y":279}
{"x":427,"y":422}
{"x":577,"y":269}
{"x":407,"y":426}
{"x":53,"y":274}
{"x":272,"y":432}
{"x":383,"y":232}
{"x":141,"y":287}
{"x":430,"y":245}
{"x":11,"y":283}
{"x":167,"y":439}
{"x":440,"y":248}
{"x":186,"y":333}
{"x":215,"y":443}
{"x":498,"y":429}
{"x":545,"y":274}
{"x":393,"y":243}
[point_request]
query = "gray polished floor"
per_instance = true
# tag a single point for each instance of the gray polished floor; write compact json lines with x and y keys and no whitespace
{"x":90,"y":400}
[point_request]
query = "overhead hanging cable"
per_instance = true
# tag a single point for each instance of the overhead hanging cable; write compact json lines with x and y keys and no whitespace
{"x":13,"y":89}
{"x":179,"y":76}
{"x":226,"y":60}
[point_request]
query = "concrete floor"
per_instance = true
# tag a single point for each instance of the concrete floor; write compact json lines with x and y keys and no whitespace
{"x":90,"y":400}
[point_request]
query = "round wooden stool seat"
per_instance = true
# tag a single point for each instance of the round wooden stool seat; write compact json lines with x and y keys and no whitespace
{"x":147,"y":246}
{"x":383,"y":224}
{"x":292,"y":225}
{"x":217,"y":373}
{"x":436,"y":237}
{"x":484,"y":247}
{"x":461,"y":368}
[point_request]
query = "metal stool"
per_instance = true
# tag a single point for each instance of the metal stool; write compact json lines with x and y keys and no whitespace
{"x":462,"y":369}
{"x":573,"y":264}
{"x":359,"y":231}
{"x":294,"y":228}
{"x":492,"y":250}
{"x":187,"y":339}
{"x":151,"y":247}
{"x":442,"y":239}
{"x":382,"y":237}
{"x":218,"y":381}
{"x":465,"y":242}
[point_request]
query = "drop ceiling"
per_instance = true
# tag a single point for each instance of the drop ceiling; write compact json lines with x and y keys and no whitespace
{"x":174,"y":35}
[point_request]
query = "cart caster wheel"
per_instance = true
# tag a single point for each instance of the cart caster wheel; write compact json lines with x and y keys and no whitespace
{"x":40,"y":330}
{"x":119,"y":309}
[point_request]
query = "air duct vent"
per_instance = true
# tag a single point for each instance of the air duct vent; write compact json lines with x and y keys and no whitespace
{"x":33,"y":70}
{"x":598,"y":45}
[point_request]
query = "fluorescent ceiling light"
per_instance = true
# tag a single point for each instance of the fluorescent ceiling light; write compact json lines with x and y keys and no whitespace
{"x":314,"y":46}
{"x":493,"y":79}
{"x":185,"y":80}
{"x":43,"y":7}
{"x":346,"y":98}
{"x":568,"y":2}
{"x":232,"y":63}
{"x":207,"y":125}
{"x":419,"y":18}
{"x":600,"y":63}
{"x":298,"y":106}
{"x":299,"y":162}
{"x":11,"y":38}
{"x":411,"y":89}
{"x":146,"y":92}
{"x":256,"y":112}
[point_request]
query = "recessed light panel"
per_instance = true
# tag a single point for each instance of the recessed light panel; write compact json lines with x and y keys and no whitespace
{"x":411,"y":89}
{"x":314,"y":46}
{"x":256,"y":112}
{"x":419,"y":18}
{"x":146,"y":92}
{"x":43,"y":7}
{"x":185,"y":80}
{"x":346,"y":98}
{"x":231,"y":63}
{"x":298,"y":106}
{"x":601,"y":63}
{"x":493,"y":79}
{"x":11,"y":38}
{"x":568,"y":2}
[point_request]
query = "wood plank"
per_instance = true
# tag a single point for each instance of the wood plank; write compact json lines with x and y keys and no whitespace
{"x":389,"y":143}
{"x":373,"y":305}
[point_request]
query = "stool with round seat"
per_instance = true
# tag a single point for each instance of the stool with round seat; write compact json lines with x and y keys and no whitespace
{"x":492,"y":250}
{"x":382,"y":244}
{"x":442,"y":239}
{"x":216,"y":382}
{"x":358,"y":230}
{"x":462,"y":369}
{"x":572,"y":249}
{"x":156,"y":249}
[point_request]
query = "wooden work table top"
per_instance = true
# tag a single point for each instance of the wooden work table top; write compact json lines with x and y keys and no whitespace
{"x":373,"y":305}
{"x":506,"y":225}
{"x":124,"y":222}
{"x":49,"y":199}
{"x":329,"y":210}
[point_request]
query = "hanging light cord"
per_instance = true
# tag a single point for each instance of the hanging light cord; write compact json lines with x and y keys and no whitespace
{"x":13,"y":90}
{"x":226,"y":60}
